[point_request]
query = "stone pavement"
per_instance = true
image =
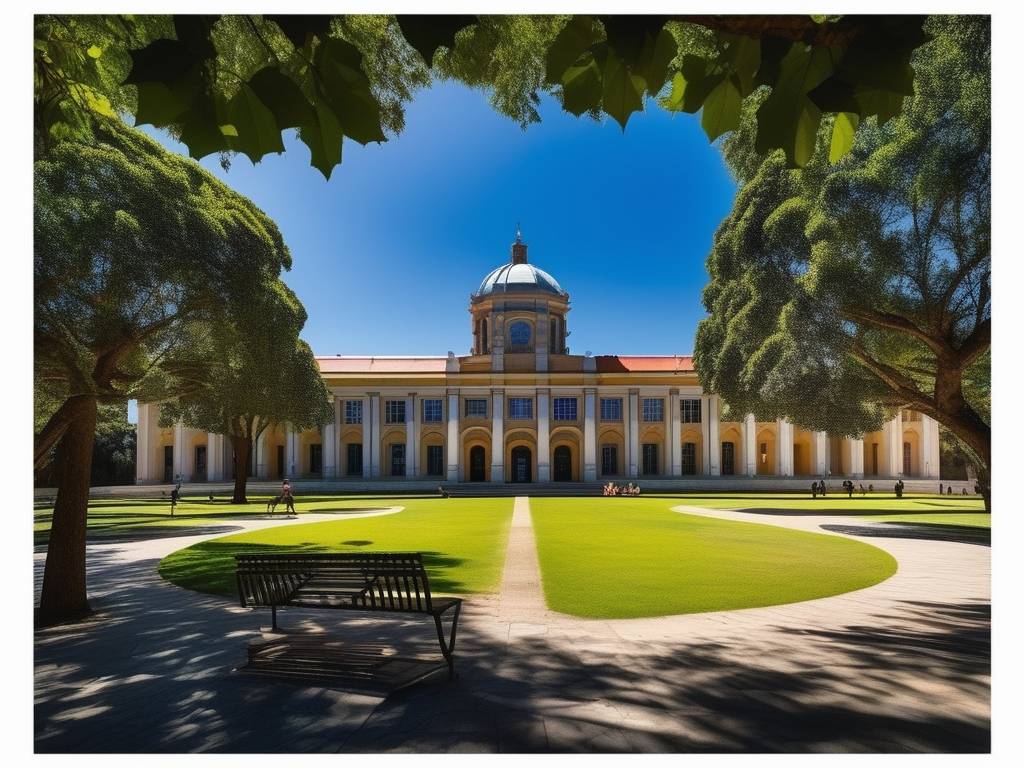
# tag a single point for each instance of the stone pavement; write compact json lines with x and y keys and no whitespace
{"x":901,"y":666}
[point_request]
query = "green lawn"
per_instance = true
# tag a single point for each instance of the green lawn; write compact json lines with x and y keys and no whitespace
{"x":114,"y":517}
{"x":634,"y":557}
{"x":969,"y":519}
{"x":834,"y":503}
{"x":463,"y":541}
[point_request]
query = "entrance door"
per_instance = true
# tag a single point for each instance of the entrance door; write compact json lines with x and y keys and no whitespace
{"x":398,"y":459}
{"x":874,"y":458}
{"x":521,"y":469}
{"x":609,"y":459}
{"x":728,"y":458}
{"x":168,"y":463}
{"x":476,"y":464}
{"x":563,"y":464}
{"x":280,"y":462}
{"x":906,"y":459}
{"x":200,"y":475}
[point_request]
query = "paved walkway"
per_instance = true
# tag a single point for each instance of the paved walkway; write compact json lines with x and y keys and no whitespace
{"x":901,"y":666}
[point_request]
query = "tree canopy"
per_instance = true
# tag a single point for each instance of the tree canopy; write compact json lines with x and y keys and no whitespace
{"x":840,"y":292}
{"x":232,"y":84}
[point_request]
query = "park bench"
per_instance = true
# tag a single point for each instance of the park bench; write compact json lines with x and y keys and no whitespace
{"x":378,"y":582}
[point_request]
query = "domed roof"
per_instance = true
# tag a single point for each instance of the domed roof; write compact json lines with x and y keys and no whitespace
{"x":519,"y":278}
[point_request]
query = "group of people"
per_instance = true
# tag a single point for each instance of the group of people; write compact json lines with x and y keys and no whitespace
{"x":818,"y":488}
{"x":611,"y":489}
{"x":963,"y":491}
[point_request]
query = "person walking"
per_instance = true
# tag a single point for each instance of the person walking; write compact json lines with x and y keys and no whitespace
{"x":814,"y":489}
{"x":175,"y":495}
{"x":940,"y":489}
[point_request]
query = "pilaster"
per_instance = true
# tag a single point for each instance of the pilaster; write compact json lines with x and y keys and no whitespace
{"x":497,"y":436}
{"x":543,"y":437}
{"x":453,"y":436}
{"x":589,"y":435}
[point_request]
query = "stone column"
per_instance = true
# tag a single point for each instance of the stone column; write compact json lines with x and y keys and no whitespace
{"x":214,"y":457}
{"x":142,"y":448}
{"x":893,"y":434}
{"x":856,"y":446}
{"x":374,"y":434}
{"x":705,"y":435}
{"x":715,"y":449}
{"x":412,"y":436}
{"x":784,"y":448}
{"x":633,"y":447}
{"x":291,"y":452}
{"x":453,"y":436}
{"x":543,"y":437}
{"x":179,"y":453}
{"x":367,"y":436}
{"x":329,"y":434}
{"x":750,"y":445}
{"x":589,"y":435}
{"x":675,"y":432}
{"x":497,"y":436}
{"x":819,"y":454}
{"x":929,"y":448}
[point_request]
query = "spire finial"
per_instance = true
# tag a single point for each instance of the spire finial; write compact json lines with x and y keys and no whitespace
{"x":518,"y":247}
{"x":519,"y":233}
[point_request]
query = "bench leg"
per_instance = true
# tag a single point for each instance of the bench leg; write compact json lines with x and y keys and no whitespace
{"x":448,"y":648}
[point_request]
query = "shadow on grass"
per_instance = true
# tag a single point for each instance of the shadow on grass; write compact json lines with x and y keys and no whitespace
{"x":961,"y":534}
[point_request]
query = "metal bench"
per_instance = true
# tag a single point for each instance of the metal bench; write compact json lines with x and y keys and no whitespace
{"x":379,"y":582}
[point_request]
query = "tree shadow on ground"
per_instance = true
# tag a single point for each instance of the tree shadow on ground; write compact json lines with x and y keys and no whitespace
{"x":961,"y":534}
{"x":152,"y":672}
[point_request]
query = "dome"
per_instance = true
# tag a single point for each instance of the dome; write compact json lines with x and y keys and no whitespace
{"x":519,"y":278}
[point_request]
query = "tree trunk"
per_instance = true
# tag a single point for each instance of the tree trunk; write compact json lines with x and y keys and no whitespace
{"x":64,"y":591}
{"x":243,"y":448}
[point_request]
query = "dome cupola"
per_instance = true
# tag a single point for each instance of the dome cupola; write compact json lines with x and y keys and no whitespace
{"x":518,"y":276}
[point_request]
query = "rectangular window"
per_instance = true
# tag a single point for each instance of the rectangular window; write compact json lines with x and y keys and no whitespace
{"x":354,"y":459}
{"x":690,"y":458}
{"x":650,"y":457}
{"x":690,"y":411}
{"x":394,"y":411}
{"x":476,"y":409}
{"x":432,"y":411}
{"x":520,"y":408}
{"x":611,"y":409}
{"x":609,"y":460}
{"x":435,"y":460}
{"x":654,"y":409}
{"x":353,"y":411}
{"x":564,"y":408}
{"x":398,"y":459}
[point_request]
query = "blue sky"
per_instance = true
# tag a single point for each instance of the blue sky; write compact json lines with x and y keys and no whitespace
{"x":387,"y":253}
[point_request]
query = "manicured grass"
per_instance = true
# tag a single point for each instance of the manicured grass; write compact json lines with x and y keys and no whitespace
{"x":114,"y":517}
{"x":634,"y":557}
{"x":463,"y":542}
{"x":834,"y":503}
{"x":971,"y":520}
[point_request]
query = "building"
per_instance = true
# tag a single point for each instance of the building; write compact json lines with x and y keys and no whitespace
{"x":521,"y":408}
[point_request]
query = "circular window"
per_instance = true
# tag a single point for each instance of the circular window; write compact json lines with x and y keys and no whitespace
{"x":519,"y":334}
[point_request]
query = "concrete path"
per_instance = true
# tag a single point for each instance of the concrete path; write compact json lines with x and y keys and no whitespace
{"x":901,"y":666}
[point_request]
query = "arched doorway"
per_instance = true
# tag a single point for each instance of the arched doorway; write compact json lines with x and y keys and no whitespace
{"x":477,"y":473}
{"x":521,"y":464}
{"x":562,"y":464}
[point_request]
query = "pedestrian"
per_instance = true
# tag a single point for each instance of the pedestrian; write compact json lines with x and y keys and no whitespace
{"x":949,"y":490}
{"x":940,"y":489}
{"x":174,"y":499}
{"x":849,"y":489}
{"x":814,"y":489}
{"x":821,"y":487}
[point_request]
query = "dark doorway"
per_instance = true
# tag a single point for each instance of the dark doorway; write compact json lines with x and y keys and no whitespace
{"x":476,"y":464}
{"x":874,"y":458}
{"x":521,"y":460}
{"x":650,"y":458}
{"x":354,"y":459}
{"x":316,"y":459}
{"x":609,"y":460}
{"x":200,"y":474}
{"x":690,"y":458}
{"x":435,"y":460}
{"x":563,"y":464}
{"x":906,"y":459}
{"x":168,"y":463}
{"x":398,"y":459}
{"x":280,"y":462}
{"x":728,"y":458}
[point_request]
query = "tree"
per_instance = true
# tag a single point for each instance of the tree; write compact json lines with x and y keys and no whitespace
{"x":138,"y":254}
{"x":839,"y":293}
{"x":232,"y":84}
{"x":261,"y":374}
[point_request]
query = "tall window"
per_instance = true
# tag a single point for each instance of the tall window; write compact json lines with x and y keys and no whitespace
{"x":728,"y":458}
{"x":690,"y":458}
{"x":691,"y":411}
{"x":435,"y":460}
{"x":906,"y":459}
{"x":432,"y":411}
{"x":653,"y":409}
{"x":476,"y":408}
{"x":611,"y":409}
{"x":354,"y":459}
{"x":609,"y":460}
{"x":353,"y":411}
{"x":520,"y":408}
{"x":564,"y":408}
{"x":397,"y":459}
{"x":394,"y":411}
{"x":650,"y":458}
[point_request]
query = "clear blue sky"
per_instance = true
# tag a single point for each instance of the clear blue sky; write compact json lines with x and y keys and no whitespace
{"x":387,"y":253}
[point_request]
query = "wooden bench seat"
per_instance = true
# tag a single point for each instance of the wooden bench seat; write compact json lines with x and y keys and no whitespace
{"x":376,"y":582}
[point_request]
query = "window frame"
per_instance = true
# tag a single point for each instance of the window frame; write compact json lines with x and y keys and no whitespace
{"x":564,"y":401}
{"x":527,"y":401}
{"x":690,"y":410}
{"x":603,"y":417}
{"x":650,"y":401}
{"x":440,"y":410}
{"x":350,"y":411}
{"x":469,"y":400}
{"x":391,"y":406}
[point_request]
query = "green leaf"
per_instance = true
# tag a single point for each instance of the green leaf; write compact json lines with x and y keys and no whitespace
{"x":282,"y":96}
{"x":200,"y":128}
{"x":721,"y":109}
{"x":623,"y":92}
{"x":835,"y":95}
{"x":322,"y":134}
{"x":347,"y":90}
{"x":95,"y":51}
{"x":874,"y":101}
{"x":296,"y":28}
{"x":158,"y":105}
{"x":744,"y":54}
{"x":691,"y":85}
{"x":426,"y":33}
{"x":581,"y":86}
{"x":843,"y":130}
{"x":258,"y":132}
{"x":655,"y":58}
{"x":569,"y":45}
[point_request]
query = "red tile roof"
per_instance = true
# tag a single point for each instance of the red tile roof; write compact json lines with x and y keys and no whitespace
{"x":345,"y":364}
{"x":644,"y":364}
